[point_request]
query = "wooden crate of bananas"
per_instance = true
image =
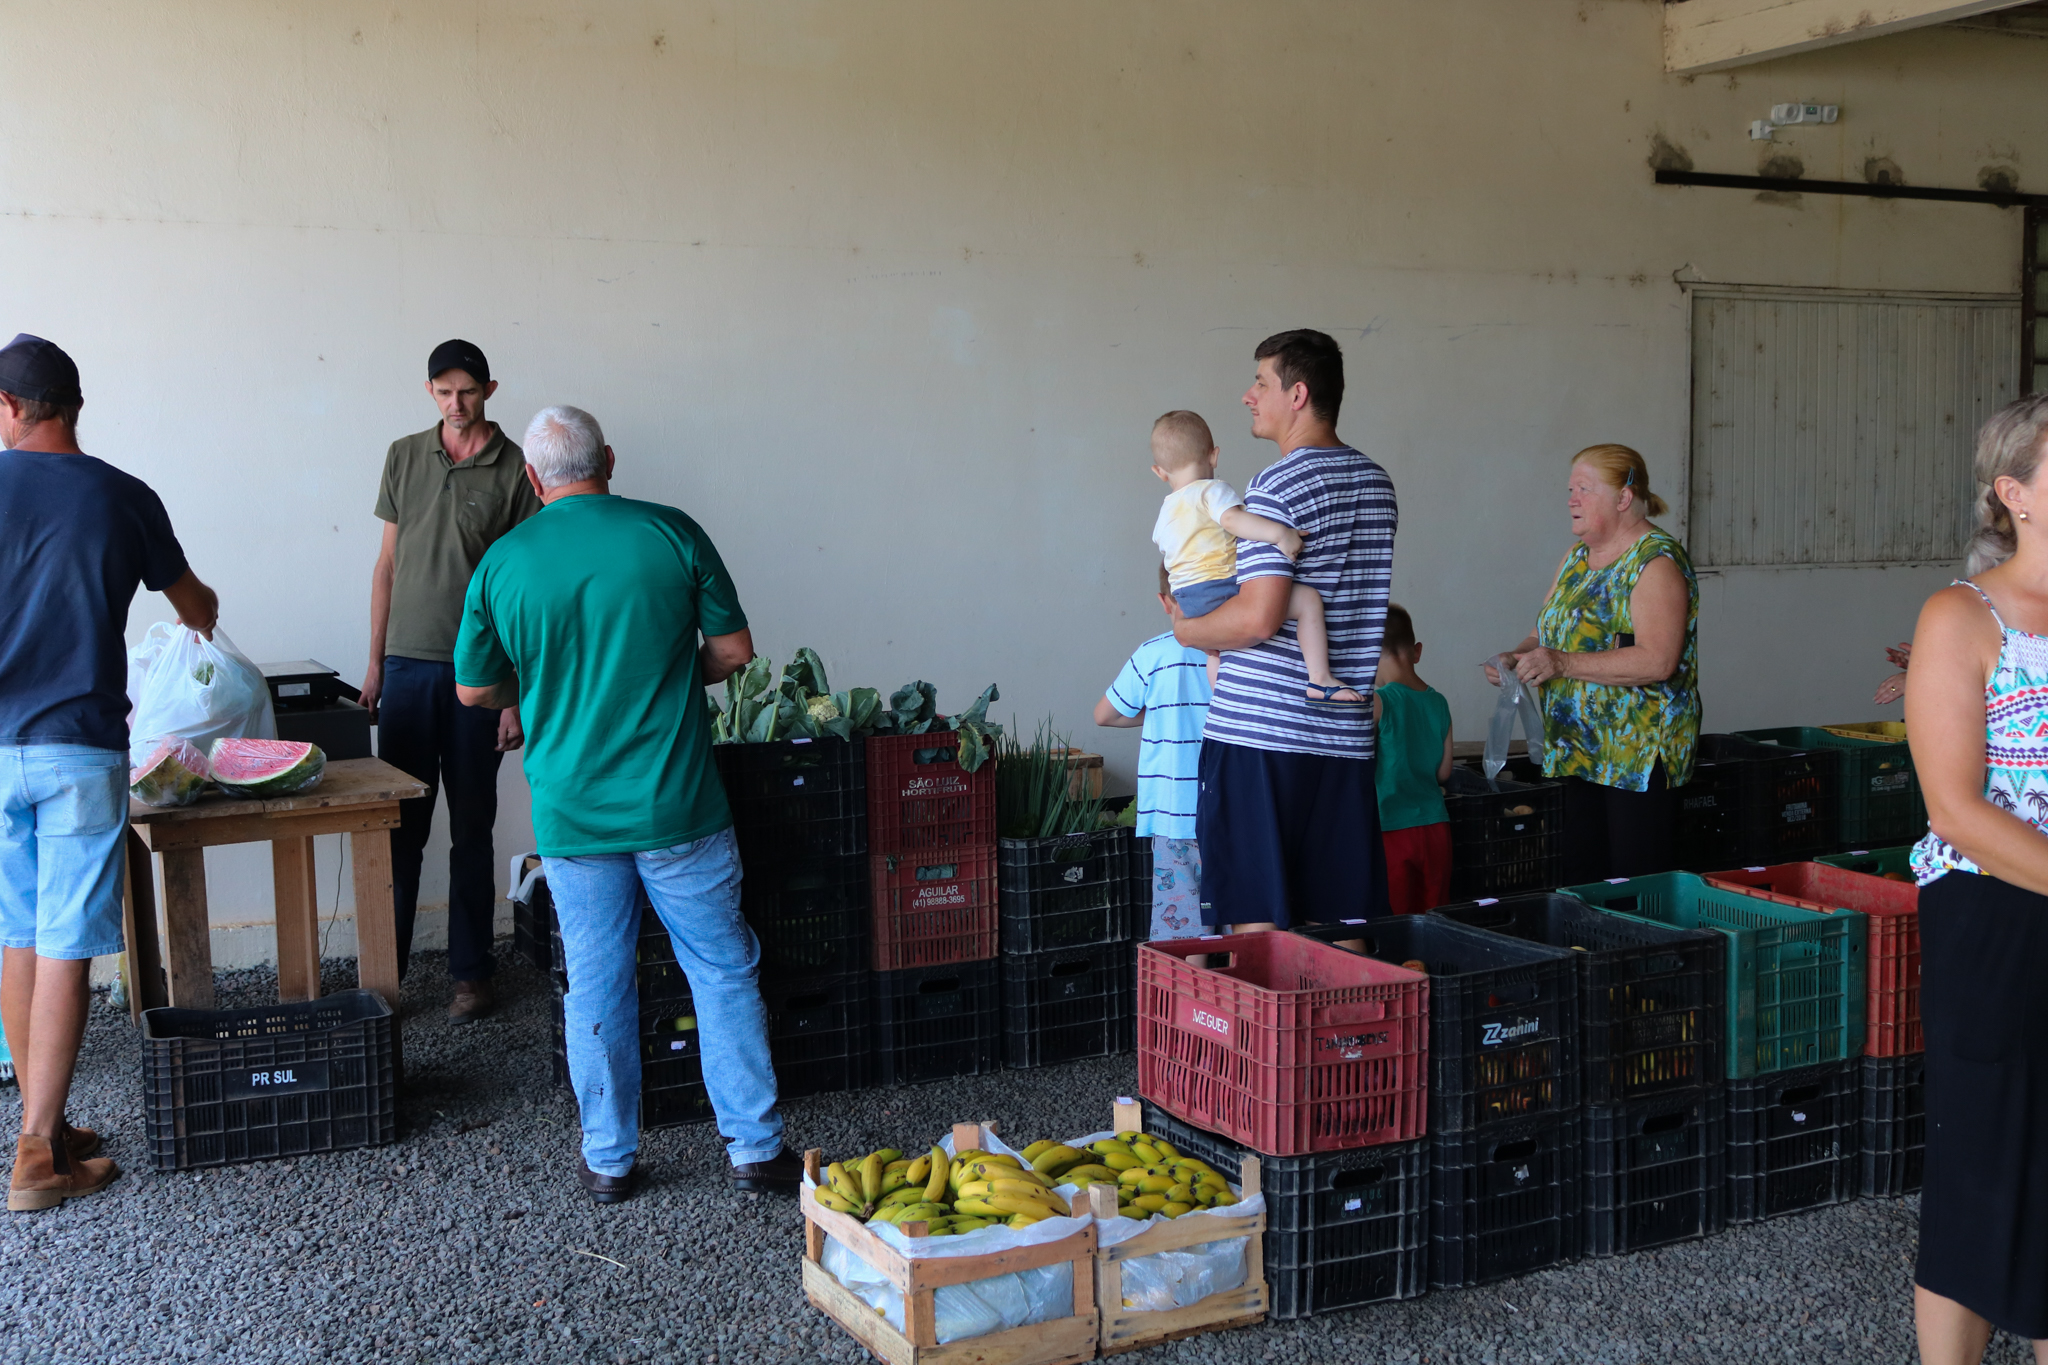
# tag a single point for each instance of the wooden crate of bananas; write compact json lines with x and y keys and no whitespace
{"x":1203,"y":1213}
{"x":951,"y":1196}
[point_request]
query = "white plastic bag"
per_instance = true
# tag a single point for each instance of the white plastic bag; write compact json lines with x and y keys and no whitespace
{"x":185,"y":686}
{"x":974,"y":1309}
{"x":1517,"y":701}
{"x":1175,"y":1279}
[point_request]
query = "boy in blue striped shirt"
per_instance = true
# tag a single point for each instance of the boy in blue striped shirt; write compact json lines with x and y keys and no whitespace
{"x":1164,"y":688}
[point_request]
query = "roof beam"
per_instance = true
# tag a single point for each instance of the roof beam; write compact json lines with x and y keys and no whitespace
{"x":1710,"y":35}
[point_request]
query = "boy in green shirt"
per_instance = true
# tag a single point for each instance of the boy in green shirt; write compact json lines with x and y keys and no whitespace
{"x":1414,"y":762}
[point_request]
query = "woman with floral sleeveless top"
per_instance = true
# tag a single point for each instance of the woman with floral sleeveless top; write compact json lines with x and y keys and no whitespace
{"x":1616,"y":657}
{"x":1977,"y":719}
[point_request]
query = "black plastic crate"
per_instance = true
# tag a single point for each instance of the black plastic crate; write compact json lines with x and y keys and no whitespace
{"x":1893,"y":1133}
{"x":223,"y":1087}
{"x":533,"y":926}
{"x":1065,"y":892}
{"x":818,"y":1033}
{"x":796,"y":798}
{"x":1504,"y":1200}
{"x":1503,"y":1017}
{"x":1507,"y":837}
{"x":1707,"y":816}
{"x":1141,"y":888}
{"x":1652,"y":999}
{"x":1342,"y":1228}
{"x":1655,"y":1171}
{"x":1792,"y":1141}
{"x":1789,"y":799}
{"x":936,"y":1023}
{"x":1066,"y":1004}
{"x":811,"y":915}
{"x":671,"y":1070}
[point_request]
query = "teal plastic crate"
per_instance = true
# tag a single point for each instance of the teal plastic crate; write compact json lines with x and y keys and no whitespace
{"x":1795,"y":977}
{"x":1878,"y":797}
{"x":1879,"y":862}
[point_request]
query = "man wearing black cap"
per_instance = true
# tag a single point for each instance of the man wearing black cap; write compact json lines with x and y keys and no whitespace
{"x":447,"y":494}
{"x":77,"y":537}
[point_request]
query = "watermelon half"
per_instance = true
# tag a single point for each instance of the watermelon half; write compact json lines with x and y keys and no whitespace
{"x":172,"y":775}
{"x":265,"y":767}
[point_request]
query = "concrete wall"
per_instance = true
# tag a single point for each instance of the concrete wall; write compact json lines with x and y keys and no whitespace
{"x":887,"y":294}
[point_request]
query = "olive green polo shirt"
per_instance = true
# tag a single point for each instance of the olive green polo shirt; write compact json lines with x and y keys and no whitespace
{"x":447,"y":515}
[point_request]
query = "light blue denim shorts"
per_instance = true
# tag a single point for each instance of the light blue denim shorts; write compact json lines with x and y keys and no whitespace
{"x":63,"y":823}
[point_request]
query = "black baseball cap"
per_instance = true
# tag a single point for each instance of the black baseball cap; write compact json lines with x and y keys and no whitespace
{"x":38,"y":370}
{"x":459,"y":355}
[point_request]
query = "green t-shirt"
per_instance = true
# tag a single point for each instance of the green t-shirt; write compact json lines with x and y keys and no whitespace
{"x":1413,"y":725}
{"x":596,"y":604}
{"x":447,"y":515}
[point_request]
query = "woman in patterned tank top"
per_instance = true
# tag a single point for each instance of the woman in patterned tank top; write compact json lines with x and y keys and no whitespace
{"x":1616,"y":656}
{"x":1977,"y":720}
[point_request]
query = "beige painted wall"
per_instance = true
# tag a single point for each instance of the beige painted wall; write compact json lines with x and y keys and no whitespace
{"x":886,"y":294}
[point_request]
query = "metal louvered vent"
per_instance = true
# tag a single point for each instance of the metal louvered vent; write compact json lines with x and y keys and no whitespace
{"x":1837,"y":428}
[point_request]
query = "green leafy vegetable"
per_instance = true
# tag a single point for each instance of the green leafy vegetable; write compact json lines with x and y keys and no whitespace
{"x":1039,"y":794}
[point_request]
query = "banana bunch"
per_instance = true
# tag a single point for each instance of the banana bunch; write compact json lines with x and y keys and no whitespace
{"x":950,"y":1195}
{"x":1153,"y":1177}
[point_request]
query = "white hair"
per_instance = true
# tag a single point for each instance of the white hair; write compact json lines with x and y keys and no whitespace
{"x":565,"y":445}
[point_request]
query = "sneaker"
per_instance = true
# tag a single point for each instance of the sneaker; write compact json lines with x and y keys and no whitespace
{"x":45,"y":1175}
{"x":780,"y":1174}
{"x":473,"y":1000}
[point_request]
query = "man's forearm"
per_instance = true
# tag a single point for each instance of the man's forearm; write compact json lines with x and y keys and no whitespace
{"x":1255,"y":614}
{"x":380,"y":611}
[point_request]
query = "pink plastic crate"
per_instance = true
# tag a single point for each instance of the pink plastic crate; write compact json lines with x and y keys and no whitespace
{"x":1293,"y":1047}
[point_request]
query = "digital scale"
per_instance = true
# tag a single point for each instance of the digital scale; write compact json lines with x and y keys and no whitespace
{"x":314,"y":706}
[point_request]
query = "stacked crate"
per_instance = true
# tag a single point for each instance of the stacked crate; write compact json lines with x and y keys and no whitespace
{"x":1068,"y":934}
{"x":1651,"y":1011}
{"x":1505,"y":1097}
{"x":799,"y":812}
{"x":932,"y":872}
{"x":1878,"y":797}
{"x":1315,"y":1060}
{"x":1796,"y":999}
{"x":1749,"y":802}
{"x":1507,"y":835}
{"x":1892,"y":1134}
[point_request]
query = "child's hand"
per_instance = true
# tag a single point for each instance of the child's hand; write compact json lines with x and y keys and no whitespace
{"x":1290,"y":542}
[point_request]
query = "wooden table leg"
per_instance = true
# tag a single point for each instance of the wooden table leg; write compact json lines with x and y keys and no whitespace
{"x":145,"y":965}
{"x":298,"y":919}
{"x":377,"y":926}
{"x":190,"y":946}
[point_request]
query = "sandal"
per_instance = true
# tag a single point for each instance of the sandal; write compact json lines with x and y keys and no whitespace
{"x":1328,"y":697}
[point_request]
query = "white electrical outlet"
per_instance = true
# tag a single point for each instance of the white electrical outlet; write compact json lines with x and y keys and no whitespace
{"x":1787,"y":115}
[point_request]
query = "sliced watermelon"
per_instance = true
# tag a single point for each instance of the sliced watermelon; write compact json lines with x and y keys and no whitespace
{"x":265,"y":767}
{"x":172,"y":775}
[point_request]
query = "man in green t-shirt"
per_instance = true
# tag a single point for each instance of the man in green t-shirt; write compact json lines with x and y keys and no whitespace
{"x":588,"y":617}
{"x":447,"y":493}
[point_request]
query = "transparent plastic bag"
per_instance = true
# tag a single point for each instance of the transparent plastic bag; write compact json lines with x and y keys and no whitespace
{"x":1517,"y":702}
{"x":185,"y":686}
{"x":1175,"y":1279}
{"x":172,"y":774}
{"x":974,"y":1309}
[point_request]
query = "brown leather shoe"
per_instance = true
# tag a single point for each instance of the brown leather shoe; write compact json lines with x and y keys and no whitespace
{"x":81,"y":1142}
{"x":780,"y":1174}
{"x":45,"y":1175}
{"x":473,"y":1000}
{"x":608,"y":1189}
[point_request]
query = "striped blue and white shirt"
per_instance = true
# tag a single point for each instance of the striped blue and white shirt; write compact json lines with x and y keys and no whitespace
{"x":1343,"y":505}
{"x":1170,"y":683}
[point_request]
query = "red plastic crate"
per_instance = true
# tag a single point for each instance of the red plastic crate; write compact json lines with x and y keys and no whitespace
{"x":920,"y":798}
{"x":1295,"y":1047}
{"x":933,"y":908}
{"x":1892,"y":1015}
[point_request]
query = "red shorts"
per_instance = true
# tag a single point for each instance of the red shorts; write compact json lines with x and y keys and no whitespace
{"x":1418,"y":867}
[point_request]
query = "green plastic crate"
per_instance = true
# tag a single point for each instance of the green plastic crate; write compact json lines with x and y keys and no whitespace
{"x":1881,"y":862}
{"x":1795,"y":977}
{"x":1879,"y":801}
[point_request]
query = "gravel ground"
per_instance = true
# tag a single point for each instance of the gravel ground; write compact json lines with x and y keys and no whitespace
{"x":468,"y":1240}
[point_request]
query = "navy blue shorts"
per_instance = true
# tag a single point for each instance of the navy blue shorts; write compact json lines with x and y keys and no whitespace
{"x":1288,"y":838}
{"x":1199,"y":599}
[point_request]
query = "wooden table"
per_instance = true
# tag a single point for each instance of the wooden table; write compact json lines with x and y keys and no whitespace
{"x":357,"y":796}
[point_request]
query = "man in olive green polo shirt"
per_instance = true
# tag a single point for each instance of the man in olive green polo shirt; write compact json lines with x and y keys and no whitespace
{"x":448,"y":493}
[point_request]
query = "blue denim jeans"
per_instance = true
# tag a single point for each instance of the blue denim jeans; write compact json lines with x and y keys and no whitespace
{"x":63,"y":821}
{"x":422,"y":730}
{"x":695,"y":889}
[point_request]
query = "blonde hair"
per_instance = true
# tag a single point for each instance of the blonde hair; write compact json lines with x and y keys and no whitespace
{"x":2008,"y":447}
{"x":1621,"y":468}
{"x":1179,"y":438}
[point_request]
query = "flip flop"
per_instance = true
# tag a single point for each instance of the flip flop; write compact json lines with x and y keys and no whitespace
{"x":1328,"y":699}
